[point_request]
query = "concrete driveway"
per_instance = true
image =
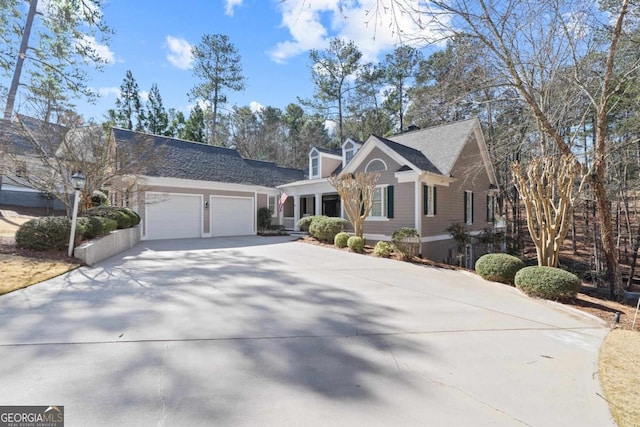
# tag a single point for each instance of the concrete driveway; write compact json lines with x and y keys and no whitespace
{"x":264,"y":331}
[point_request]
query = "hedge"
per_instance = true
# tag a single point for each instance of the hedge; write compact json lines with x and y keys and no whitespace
{"x":547,"y":282}
{"x":45,"y":234}
{"x":96,"y":226}
{"x":325,"y":228}
{"x":499,"y":267}
{"x":125,"y":217}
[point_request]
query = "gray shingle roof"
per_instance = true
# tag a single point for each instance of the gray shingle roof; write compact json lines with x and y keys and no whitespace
{"x":441,"y":144}
{"x":18,"y":137}
{"x":332,"y":151}
{"x":414,"y":156}
{"x":192,"y":160}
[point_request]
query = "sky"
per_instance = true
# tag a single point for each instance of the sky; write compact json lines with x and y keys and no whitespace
{"x":153,"y":39}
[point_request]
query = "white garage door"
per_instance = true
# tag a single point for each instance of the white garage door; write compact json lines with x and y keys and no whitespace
{"x":173,"y":216}
{"x":232,"y":216}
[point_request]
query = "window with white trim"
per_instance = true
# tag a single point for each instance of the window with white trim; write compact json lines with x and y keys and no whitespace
{"x":376,"y":165}
{"x":348,"y":155}
{"x":379,"y":206}
{"x":468,"y":207}
{"x":430,"y":197}
{"x":315,"y":166}
{"x":271,"y":204}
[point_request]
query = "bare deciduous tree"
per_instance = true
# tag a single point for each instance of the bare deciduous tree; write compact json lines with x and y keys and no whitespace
{"x":356,"y":191}
{"x":547,"y":191}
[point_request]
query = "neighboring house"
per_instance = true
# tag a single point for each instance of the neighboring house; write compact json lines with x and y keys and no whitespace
{"x":430,"y":179}
{"x":199,"y":190}
{"x":21,"y":159}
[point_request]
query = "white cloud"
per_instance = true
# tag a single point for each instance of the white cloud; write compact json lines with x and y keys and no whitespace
{"x":374,"y":26}
{"x":144,"y":95}
{"x":255,"y":106}
{"x":231,"y":4}
{"x":179,"y":53}
{"x":102,"y":50}
{"x":109,"y":91}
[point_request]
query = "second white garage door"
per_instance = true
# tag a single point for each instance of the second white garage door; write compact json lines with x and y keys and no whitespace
{"x":232,"y":216}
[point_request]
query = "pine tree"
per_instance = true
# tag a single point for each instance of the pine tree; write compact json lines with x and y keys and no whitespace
{"x":156,"y":118}
{"x":194,"y":128}
{"x":128,"y":106}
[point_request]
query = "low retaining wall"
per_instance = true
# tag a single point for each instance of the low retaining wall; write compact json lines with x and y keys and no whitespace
{"x":107,"y":246}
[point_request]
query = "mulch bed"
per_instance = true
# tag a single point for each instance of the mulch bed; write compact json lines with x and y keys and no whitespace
{"x":8,"y":246}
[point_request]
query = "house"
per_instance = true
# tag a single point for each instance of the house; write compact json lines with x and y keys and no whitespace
{"x":27,"y":144}
{"x":430,"y":179}
{"x":197,"y":190}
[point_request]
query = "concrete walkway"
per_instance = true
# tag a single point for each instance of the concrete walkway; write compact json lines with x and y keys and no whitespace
{"x":263,"y":331}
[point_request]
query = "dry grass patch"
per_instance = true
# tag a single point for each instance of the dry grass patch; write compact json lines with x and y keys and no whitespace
{"x":19,"y":272}
{"x":9,"y":226}
{"x":619,"y":367}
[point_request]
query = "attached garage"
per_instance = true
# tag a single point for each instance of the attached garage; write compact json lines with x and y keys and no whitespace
{"x":232,"y":216}
{"x":173,"y":216}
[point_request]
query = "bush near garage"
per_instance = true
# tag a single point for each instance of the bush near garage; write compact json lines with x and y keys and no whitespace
{"x":499,"y":267}
{"x":341,"y":239}
{"x":325,"y":228}
{"x":547,"y":282}
{"x":125,"y":217}
{"x":96,"y":226}
{"x":356,"y":244}
{"x":45,"y":234}
{"x":99,"y":198}
{"x":264,"y":218}
{"x":406,"y":242}
{"x":382,"y":249}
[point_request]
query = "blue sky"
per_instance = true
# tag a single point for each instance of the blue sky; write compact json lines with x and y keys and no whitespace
{"x":273,"y":37}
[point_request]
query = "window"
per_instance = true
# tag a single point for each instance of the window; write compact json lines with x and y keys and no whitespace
{"x":375,"y":165}
{"x":491,"y":206}
{"x":315,"y":163}
{"x":430,"y":194}
{"x":468,"y":207}
{"x":271,"y":202}
{"x":348,"y":155}
{"x":21,"y":169}
{"x":382,"y":206}
{"x":378,"y":203}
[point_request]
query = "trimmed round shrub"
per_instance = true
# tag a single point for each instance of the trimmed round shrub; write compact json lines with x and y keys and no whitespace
{"x":406,"y":242}
{"x":356,"y":244}
{"x":305,"y":222}
{"x":547,"y":282}
{"x":99,"y":198}
{"x":325,"y":228}
{"x":382,"y":249}
{"x":46,"y":233}
{"x":96,"y":226}
{"x":341,"y":239}
{"x":498,"y":267}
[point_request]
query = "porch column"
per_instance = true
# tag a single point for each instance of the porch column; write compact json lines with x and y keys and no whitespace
{"x":418,"y":206}
{"x":296,"y":212}
{"x":318,"y":199}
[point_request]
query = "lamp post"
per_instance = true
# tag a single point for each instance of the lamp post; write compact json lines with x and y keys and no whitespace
{"x":77,"y":181}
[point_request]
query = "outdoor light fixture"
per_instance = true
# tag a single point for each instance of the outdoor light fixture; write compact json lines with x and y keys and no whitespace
{"x":77,"y":180}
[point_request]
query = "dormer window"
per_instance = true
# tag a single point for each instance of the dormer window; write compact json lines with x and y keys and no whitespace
{"x":315,"y":165}
{"x":348,"y":154}
{"x":349,"y":149}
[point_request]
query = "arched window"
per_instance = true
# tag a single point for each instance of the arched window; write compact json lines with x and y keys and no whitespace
{"x":375,"y":165}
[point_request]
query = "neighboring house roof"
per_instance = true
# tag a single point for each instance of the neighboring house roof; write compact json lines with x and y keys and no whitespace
{"x":441,"y":145}
{"x":203,"y":162}
{"x":19,"y":135}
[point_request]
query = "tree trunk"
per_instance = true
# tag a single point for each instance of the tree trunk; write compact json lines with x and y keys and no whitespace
{"x":24,"y":44}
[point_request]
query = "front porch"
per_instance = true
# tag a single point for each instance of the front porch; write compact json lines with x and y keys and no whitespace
{"x":307,"y":198}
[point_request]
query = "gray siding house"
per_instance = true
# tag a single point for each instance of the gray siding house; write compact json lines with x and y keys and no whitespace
{"x":430,"y":179}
